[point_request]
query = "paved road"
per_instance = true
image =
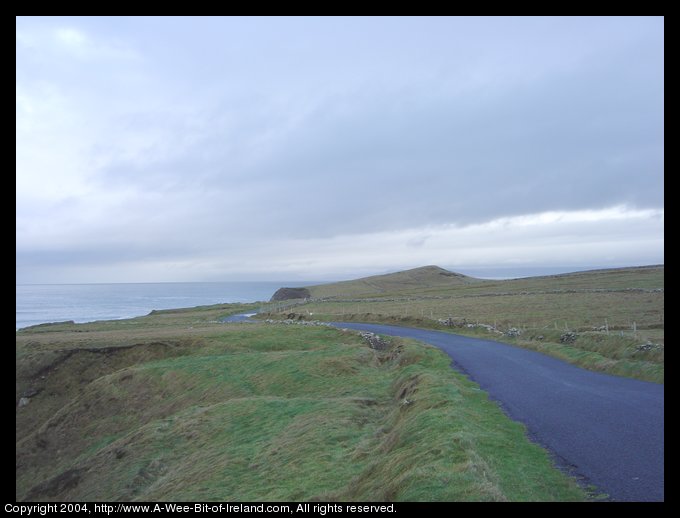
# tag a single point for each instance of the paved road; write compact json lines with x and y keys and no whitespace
{"x":606,"y":428}
{"x":243,"y":317}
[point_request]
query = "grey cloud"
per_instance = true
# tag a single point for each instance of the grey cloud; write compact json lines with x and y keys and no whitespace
{"x":225,"y":131}
{"x":390,"y":164}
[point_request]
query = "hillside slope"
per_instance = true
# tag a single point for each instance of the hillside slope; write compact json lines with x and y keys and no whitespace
{"x":416,"y":279}
{"x":174,"y":407}
{"x":433,"y":280}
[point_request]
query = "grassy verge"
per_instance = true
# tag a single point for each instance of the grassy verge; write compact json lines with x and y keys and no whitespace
{"x":612,"y":354}
{"x":199,"y":411}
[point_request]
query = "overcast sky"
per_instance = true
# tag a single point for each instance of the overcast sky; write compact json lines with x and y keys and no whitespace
{"x":200,"y":149}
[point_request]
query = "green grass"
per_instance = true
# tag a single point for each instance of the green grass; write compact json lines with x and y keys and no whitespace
{"x":416,"y":280}
{"x":261,"y":412}
{"x":575,"y":311}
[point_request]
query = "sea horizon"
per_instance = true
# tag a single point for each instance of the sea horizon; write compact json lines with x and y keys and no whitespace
{"x":89,"y":302}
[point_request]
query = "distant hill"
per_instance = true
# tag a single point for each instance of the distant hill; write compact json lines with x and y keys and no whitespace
{"x":433,"y":280}
{"x":425,"y":277}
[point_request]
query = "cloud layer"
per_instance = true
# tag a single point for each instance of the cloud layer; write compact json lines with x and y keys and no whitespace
{"x":199,"y":149}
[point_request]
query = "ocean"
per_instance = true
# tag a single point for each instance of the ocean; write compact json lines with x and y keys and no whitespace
{"x":41,"y":303}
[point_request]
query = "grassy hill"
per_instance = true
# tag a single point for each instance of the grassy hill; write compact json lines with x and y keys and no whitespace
{"x":433,"y":280}
{"x":415,"y":280}
{"x":175,"y":406}
{"x":613,"y":312}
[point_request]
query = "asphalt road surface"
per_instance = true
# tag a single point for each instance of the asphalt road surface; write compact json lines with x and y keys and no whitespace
{"x":243,"y":317}
{"x":607,"y":429}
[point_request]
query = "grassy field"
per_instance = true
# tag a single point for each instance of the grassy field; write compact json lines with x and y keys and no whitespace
{"x":613,"y":312}
{"x":433,"y":281}
{"x":176,"y":407}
